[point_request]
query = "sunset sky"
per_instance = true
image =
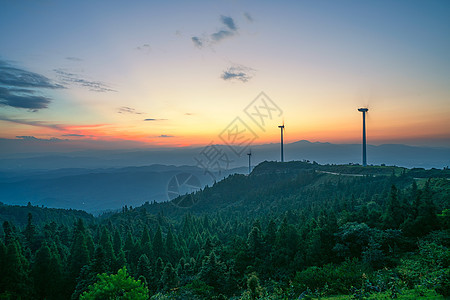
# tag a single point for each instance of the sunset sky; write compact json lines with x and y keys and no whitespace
{"x":177,"y":73}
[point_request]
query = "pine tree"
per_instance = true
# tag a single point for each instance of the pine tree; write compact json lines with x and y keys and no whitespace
{"x":30,"y":231}
{"x":100,"y":264}
{"x":253,"y":286}
{"x":208,"y":246}
{"x":187,"y":225}
{"x":170,"y":247}
{"x":146,"y":246}
{"x":255,"y":242}
{"x":90,"y":243}
{"x":88,"y":274}
{"x":181,"y":270}
{"x":2,"y":265}
{"x":120,"y":262}
{"x":158,"y":246}
{"x":64,"y":235}
{"x":47,"y":272}
{"x":9,"y":233}
{"x":426,"y":220}
{"x":106,"y":243}
{"x":213,"y":272}
{"x":79,"y":253}
{"x":144,"y":268}
{"x":159,"y":267}
{"x":206,"y":223}
{"x":414,"y":190}
{"x":393,"y":215}
{"x":271,"y":233}
{"x":128,"y":247}
{"x":327,"y":232}
{"x":117,"y":242}
{"x":169,"y":278}
{"x":41,"y":272}
{"x":16,"y":268}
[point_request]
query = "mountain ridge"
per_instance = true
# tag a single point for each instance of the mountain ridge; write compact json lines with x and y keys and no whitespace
{"x":322,"y":152}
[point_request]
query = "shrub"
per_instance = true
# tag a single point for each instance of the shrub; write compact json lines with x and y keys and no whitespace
{"x":116,"y":286}
{"x":330,"y":278}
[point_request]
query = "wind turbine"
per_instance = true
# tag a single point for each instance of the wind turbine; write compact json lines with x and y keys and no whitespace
{"x":282,"y":152}
{"x":364,"y":158}
{"x":249,"y":161}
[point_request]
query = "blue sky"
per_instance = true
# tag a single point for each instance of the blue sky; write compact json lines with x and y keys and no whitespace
{"x":189,"y":68}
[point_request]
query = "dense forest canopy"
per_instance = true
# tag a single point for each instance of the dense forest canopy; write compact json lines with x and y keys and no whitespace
{"x":284,"y":231}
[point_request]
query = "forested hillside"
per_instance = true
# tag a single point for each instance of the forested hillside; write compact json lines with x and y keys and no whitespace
{"x":18,"y":215}
{"x":286,"y":230}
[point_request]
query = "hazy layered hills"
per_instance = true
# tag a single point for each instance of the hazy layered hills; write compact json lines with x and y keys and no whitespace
{"x":271,"y":186}
{"x":96,"y":190}
{"x":99,"y":180}
{"x":323,"y":153}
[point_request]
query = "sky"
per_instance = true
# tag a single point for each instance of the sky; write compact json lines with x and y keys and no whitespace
{"x":133,"y":74}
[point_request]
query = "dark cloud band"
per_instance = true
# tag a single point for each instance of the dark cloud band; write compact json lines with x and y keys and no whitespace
{"x":151,"y":119}
{"x":14,"y":77}
{"x":18,"y":88}
{"x":23,"y":99}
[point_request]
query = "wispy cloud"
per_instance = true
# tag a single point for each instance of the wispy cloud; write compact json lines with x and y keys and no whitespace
{"x":221,"y":34}
{"x":197,"y":41}
{"x":229,"y":22}
{"x":19,"y":88}
{"x":189,"y":114}
{"x":230,"y":29}
{"x":145,"y":48}
{"x":34,"y":123}
{"x":73,"y":58}
{"x":248,"y":17}
{"x":239,"y":73}
{"x":72,"y":78}
{"x":74,"y":135}
{"x":165,"y":136}
{"x":128,"y":110}
{"x":151,"y":119}
{"x":32,"y":138}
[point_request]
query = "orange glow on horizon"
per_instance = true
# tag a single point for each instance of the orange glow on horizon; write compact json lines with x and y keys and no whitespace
{"x":380,"y":129}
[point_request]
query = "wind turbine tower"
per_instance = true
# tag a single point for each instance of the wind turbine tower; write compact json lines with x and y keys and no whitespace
{"x":249,"y":162}
{"x":364,"y":158}
{"x":282,"y":153}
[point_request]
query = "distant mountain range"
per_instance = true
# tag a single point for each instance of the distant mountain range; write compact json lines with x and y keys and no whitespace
{"x":99,"y":180}
{"x":324,"y":153}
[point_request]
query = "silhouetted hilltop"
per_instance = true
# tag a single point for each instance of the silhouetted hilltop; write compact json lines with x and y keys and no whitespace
{"x":274,"y":186}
